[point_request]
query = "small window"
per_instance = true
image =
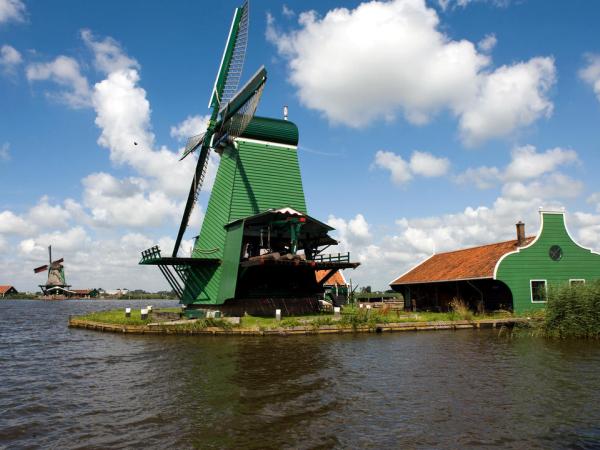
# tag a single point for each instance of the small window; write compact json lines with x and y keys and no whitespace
{"x":538,"y":291}
{"x":577,"y":282}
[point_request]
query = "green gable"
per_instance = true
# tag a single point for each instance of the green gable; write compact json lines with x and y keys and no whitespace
{"x":552,"y":258}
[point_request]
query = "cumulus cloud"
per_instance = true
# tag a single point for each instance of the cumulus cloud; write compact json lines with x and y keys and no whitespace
{"x":64,"y":71}
{"x":407,"y":65}
{"x":191,"y":126}
{"x":114,"y":202}
{"x":427,"y":165}
{"x":482,"y":177}
{"x":526,"y":164}
{"x":11,"y":223}
{"x":420,"y":163}
{"x":509,"y":98}
{"x":44,"y":215}
{"x":10,"y":59}
{"x":591,"y":72}
{"x":12,"y":11}
{"x":108,"y":54}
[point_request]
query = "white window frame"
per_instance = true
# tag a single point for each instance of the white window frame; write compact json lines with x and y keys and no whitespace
{"x":576,"y":279}
{"x":531,"y":291}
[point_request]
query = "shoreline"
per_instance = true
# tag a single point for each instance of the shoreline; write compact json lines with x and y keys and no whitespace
{"x":180,"y":328}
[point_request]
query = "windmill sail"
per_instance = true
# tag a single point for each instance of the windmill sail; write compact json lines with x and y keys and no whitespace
{"x":226,"y":85}
{"x":236,"y":116}
{"x":232,"y":61}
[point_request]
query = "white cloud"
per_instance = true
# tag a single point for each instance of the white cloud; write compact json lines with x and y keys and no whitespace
{"x":423,"y":163}
{"x":553,"y":186}
{"x":487,"y":43}
{"x":66,"y":72}
{"x":113,"y":202}
{"x":43,"y":215}
{"x":509,"y":98}
{"x":591,"y":73}
{"x":108,"y":54}
{"x":10,"y":58}
{"x":482,"y":177}
{"x":527,"y":163}
{"x":191,"y":126}
{"x":392,"y":57}
{"x":10,"y":223}
{"x":4,"y":152}
{"x":399,"y":169}
{"x":420,"y":163}
{"x":12,"y":10}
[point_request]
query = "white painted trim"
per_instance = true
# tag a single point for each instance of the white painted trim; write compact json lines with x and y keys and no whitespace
{"x":575,"y":279}
{"x":531,"y":291}
{"x":442,"y":281}
{"x":272,"y":144}
{"x":411,"y":269}
{"x":212,"y":93}
{"x":539,"y":233}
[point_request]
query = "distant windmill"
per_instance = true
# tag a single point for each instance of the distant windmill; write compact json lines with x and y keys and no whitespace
{"x":56,"y":283}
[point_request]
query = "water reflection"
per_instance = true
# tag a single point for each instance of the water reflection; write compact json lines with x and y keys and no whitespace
{"x":75,"y":388}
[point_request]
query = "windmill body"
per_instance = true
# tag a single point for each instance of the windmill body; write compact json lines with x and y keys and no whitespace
{"x":258,"y":249}
{"x":56,"y":283}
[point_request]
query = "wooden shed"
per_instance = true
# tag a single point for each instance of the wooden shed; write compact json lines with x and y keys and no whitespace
{"x":512,"y":275}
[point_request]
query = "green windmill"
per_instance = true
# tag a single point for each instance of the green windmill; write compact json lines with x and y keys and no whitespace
{"x":258,"y":250}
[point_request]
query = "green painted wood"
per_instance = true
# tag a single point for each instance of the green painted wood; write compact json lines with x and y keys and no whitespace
{"x":252,"y":177}
{"x":534,"y":263}
{"x":272,"y":130}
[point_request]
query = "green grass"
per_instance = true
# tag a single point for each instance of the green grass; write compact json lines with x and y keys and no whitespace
{"x":351,"y":316}
{"x":117,"y":316}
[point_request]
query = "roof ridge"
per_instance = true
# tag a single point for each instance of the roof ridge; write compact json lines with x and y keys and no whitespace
{"x":480,"y":246}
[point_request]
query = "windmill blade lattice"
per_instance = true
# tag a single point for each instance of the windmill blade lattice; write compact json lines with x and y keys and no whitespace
{"x":192,"y":144}
{"x":237,"y":124}
{"x":236,"y":65}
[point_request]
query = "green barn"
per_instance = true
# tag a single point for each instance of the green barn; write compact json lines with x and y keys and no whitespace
{"x":511,"y":275}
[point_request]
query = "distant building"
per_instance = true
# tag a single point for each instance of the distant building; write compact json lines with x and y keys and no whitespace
{"x":336,"y":287}
{"x":6,"y":290}
{"x":511,"y":275}
{"x":117,"y":292}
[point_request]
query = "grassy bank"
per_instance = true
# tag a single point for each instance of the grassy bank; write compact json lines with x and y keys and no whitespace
{"x":350,"y":317}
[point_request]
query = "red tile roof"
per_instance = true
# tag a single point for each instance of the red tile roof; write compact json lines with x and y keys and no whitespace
{"x":466,"y":264}
{"x":336,"y":278}
{"x":5,"y":289}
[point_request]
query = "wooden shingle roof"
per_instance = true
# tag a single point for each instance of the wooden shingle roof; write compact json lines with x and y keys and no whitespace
{"x":467,"y":264}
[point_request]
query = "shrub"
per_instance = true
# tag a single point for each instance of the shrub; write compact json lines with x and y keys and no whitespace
{"x":573,"y":311}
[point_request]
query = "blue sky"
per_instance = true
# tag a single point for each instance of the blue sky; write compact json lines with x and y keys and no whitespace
{"x":424,"y":126}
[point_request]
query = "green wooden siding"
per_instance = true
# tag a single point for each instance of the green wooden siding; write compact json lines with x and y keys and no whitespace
{"x":252,"y":177}
{"x":534,"y":263}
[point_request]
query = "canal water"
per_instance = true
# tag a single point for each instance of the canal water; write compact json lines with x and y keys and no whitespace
{"x":62,"y":388}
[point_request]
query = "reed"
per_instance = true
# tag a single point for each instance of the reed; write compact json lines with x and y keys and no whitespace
{"x":573,"y":311}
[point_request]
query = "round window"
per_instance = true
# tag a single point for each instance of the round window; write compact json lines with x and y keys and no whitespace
{"x":555,"y":253}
